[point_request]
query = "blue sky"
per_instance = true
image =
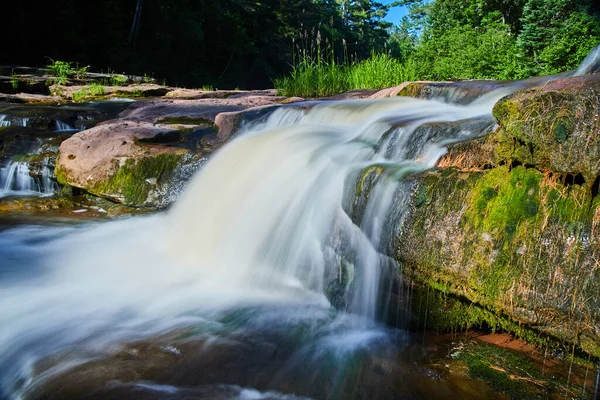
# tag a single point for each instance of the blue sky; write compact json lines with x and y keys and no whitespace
{"x":396,"y":13}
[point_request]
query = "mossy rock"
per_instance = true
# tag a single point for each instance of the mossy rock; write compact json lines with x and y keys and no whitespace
{"x":148,"y":180}
{"x":514,"y":241}
{"x":554,"y":128}
{"x":417,"y":90}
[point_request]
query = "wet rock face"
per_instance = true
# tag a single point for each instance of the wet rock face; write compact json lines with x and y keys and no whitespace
{"x":513,"y":241}
{"x":510,"y":221}
{"x":461,"y":92}
{"x":554,"y":128}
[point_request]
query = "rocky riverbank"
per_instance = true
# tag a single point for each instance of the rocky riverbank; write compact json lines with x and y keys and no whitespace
{"x":509,"y":222}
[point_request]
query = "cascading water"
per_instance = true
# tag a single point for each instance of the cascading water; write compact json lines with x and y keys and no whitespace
{"x":263,"y":229}
{"x":229,"y":292}
{"x":6,"y":121}
{"x":64,"y":127}
{"x":591,"y":63}
{"x":16,"y":180}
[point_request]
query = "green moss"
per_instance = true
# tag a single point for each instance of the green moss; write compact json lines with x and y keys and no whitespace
{"x":515,"y":242}
{"x":367,"y":177}
{"x":62,"y":175}
{"x":413,"y":90}
{"x":439,"y":310}
{"x":481,"y":369}
{"x":503,"y":199}
{"x":130,"y":180}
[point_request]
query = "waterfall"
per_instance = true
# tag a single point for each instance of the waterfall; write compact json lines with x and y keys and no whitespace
{"x":64,"y":127}
{"x":16,"y":180}
{"x":265,"y":236}
{"x":266,"y":223}
{"x":591,"y":63}
{"x":281,"y":214}
{"x":16,"y":121}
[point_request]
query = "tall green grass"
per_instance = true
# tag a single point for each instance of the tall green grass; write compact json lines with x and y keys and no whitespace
{"x":315,"y":77}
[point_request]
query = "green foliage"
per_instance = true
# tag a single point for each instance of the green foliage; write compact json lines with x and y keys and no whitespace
{"x":90,"y":91}
{"x":62,"y":70}
{"x":312,"y":79}
{"x":14,"y":81}
{"x":556,"y":35}
{"x":465,"y":52}
{"x":320,"y":77}
{"x":223,"y":43}
{"x":235,"y":43}
{"x":117,"y":80}
{"x":502,"y":39}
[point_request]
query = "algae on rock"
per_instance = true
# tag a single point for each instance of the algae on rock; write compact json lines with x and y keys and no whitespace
{"x":510,"y":221}
{"x":514,"y":242}
{"x":147,"y":180}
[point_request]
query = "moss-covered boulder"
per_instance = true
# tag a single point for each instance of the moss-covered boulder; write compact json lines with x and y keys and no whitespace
{"x":514,"y":241}
{"x":554,"y":128}
{"x":510,"y":222}
{"x":117,"y":160}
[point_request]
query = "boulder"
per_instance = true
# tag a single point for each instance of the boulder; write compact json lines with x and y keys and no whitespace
{"x":554,"y":128}
{"x":145,"y":157}
{"x":510,"y":221}
{"x":110,"y":161}
{"x":229,"y":123}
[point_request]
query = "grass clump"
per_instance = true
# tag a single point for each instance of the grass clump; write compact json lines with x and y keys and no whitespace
{"x":90,"y":91}
{"x":118,"y":80}
{"x":317,"y":76}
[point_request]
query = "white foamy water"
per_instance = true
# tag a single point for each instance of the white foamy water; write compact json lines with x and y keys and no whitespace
{"x":265,"y":222}
{"x":5,"y":121}
{"x":64,"y":127}
{"x":590,"y":64}
{"x":16,"y":180}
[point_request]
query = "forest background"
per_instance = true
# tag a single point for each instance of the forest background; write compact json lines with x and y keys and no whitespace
{"x":261,"y":44}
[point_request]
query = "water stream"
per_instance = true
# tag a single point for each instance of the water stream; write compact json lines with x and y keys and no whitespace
{"x":228,"y":295}
{"x":257,"y":240}
{"x":16,"y":180}
{"x":31,"y":135}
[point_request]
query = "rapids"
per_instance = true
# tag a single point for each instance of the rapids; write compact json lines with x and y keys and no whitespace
{"x":235,"y":280}
{"x":264,"y":226}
